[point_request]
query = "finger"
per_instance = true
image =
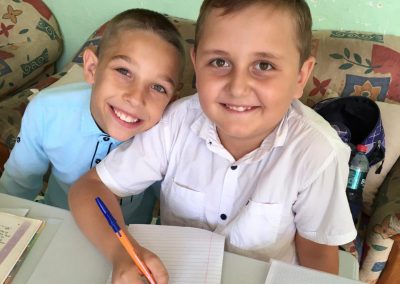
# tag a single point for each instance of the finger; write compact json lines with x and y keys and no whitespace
{"x":130,"y":276}
{"x":159,"y":271}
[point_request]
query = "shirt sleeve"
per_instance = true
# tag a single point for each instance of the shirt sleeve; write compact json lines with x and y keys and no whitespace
{"x":28,"y":162}
{"x":137,"y":163}
{"x":322,"y":213}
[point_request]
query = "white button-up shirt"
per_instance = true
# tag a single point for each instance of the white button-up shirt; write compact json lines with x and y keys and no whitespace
{"x":295,"y":180}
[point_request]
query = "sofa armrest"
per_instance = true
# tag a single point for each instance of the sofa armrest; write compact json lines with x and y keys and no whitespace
{"x":391,"y":272}
{"x":4,"y":153}
{"x":383,"y":233}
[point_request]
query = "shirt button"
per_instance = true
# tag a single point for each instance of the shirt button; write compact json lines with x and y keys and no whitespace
{"x":233,"y":167}
{"x":98,"y":161}
{"x":223,"y":216}
{"x":106,"y":138}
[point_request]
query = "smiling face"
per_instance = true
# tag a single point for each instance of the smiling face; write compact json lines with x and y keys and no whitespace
{"x":133,"y":82}
{"x":247,"y":73}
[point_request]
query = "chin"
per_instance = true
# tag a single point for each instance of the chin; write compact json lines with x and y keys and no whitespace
{"x":120,"y":136}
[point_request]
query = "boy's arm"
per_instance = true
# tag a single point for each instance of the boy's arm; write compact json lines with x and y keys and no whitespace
{"x":317,"y":256}
{"x":28,"y":163}
{"x":89,"y":218}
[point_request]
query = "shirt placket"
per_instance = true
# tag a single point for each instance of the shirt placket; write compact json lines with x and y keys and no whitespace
{"x":227,"y":197}
{"x":103,"y":147}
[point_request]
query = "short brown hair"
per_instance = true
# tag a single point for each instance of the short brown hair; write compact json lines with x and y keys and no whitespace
{"x":142,"y":19}
{"x":298,"y":8}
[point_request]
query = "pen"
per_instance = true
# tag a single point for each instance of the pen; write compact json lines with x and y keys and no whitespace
{"x":124,"y":241}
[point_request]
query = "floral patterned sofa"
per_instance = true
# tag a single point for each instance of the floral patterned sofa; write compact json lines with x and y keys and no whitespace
{"x":348,"y":63}
{"x":30,"y":44}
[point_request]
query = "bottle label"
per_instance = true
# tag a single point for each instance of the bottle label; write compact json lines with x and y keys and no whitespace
{"x":356,"y":179}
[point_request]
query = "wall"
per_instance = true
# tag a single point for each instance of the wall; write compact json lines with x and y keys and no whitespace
{"x":79,"y":18}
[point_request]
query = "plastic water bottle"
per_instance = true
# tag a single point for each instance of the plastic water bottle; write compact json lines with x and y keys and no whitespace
{"x":359,"y":166}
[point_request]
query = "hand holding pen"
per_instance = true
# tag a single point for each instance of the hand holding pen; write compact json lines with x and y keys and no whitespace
{"x":125,"y":241}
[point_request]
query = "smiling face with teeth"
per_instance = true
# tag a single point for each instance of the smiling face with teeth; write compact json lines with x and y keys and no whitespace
{"x":248,"y":73}
{"x":132,"y":82}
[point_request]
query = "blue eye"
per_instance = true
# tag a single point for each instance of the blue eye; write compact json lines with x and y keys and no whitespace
{"x":159,"y":88}
{"x":263,"y":66}
{"x":219,"y":63}
{"x":123,"y":71}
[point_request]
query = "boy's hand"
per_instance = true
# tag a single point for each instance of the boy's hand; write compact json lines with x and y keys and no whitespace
{"x":125,"y":271}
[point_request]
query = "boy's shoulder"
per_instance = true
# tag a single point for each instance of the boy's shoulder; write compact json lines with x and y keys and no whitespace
{"x":314,"y":129}
{"x":64,"y":95}
{"x":188,"y":105}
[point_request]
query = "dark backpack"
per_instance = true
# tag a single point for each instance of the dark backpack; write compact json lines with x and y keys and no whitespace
{"x":357,"y":120}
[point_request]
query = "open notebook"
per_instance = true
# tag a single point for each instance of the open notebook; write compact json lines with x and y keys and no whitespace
{"x":16,"y":233}
{"x":285,"y":273}
{"x":191,"y":255}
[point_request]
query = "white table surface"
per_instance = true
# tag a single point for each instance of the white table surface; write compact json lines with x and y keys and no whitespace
{"x":62,"y":254}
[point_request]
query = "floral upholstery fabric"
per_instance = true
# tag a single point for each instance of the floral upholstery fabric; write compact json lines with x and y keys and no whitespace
{"x":384,"y":224}
{"x":30,"y":43}
{"x":352,"y":63}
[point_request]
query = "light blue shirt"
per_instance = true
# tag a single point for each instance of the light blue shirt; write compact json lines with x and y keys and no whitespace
{"x":59,"y":133}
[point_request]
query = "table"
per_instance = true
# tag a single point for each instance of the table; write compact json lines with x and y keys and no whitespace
{"x":63,"y":255}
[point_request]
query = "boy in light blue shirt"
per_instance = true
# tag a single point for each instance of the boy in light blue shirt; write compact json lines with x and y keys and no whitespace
{"x":129,"y":82}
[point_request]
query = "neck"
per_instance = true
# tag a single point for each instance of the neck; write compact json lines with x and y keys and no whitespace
{"x":240,"y":147}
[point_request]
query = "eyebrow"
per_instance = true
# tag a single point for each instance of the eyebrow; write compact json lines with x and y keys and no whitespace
{"x":128,"y":59}
{"x":267,"y":55}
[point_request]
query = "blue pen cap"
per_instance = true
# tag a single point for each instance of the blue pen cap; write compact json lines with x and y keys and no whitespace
{"x":107,"y":214}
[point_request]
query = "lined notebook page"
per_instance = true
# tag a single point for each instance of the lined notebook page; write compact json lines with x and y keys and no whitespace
{"x":190,"y":255}
{"x":284,"y":273}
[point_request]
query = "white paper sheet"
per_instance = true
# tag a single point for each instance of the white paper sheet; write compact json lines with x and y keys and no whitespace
{"x":284,"y":273}
{"x":191,"y":255}
{"x":16,"y":211}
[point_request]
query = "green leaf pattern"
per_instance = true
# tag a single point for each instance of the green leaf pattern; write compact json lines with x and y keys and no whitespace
{"x":358,"y":60}
{"x":347,"y":52}
{"x":379,"y":248}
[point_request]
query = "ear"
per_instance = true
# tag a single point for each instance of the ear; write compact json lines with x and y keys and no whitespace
{"x":193,"y":57}
{"x":90,"y":61}
{"x":304,"y":74}
{"x":179,"y":87}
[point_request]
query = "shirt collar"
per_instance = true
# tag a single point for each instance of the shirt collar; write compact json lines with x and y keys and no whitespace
{"x":89,"y":125}
{"x":206,"y":130}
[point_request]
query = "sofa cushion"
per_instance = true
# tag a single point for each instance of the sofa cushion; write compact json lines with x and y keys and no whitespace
{"x":186,"y":29}
{"x":30,"y":43}
{"x":73,"y":75}
{"x":354,"y":63}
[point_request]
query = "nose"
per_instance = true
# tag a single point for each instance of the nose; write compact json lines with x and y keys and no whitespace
{"x":239,"y":83}
{"x":135,"y":95}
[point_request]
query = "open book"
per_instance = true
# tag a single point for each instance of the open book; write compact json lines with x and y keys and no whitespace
{"x":191,"y":255}
{"x":16,"y":233}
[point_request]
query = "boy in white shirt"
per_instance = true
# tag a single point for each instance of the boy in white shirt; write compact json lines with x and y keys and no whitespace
{"x":243,"y":157}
